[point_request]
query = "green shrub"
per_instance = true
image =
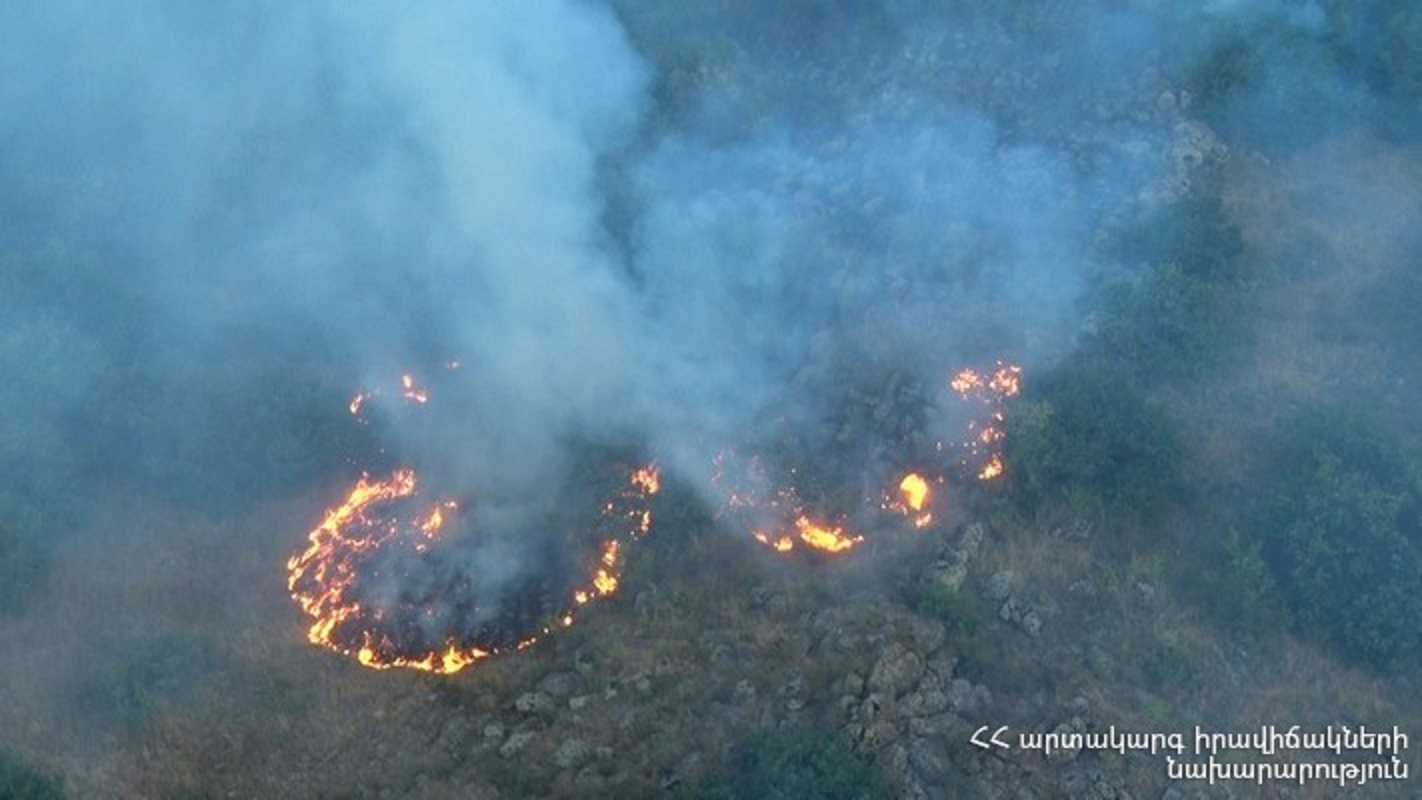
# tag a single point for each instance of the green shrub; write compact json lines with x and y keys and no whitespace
{"x":1231,"y":580}
{"x":1090,"y":435}
{"x":794,"y":765}
{"x":961,"y":612}
{"x":19,"y":781}
{"x":1168,"y":667}
{"x":1343,"y":534}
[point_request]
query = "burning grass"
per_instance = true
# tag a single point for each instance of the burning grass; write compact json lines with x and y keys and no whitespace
{"x":385,"y":578}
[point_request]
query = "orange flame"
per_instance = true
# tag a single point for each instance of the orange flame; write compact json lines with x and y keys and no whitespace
{"x":648,"y":479}
{"x":320,"y":577}
{"x":1007,"y":380}
{"x":824,"y":537}
{"x":914,"y":490}
{"x":965,"y":382}
{"x":992,"y":469}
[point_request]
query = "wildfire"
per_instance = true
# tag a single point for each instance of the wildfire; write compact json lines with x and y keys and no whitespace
{"x":408,"y":389}
{"x":914,"y":490}
{"x":914,"y":498}
{"x":824,"y":537}
{"x":1004,"y":382}
{"x":777,"y":518}
{"x":325,"y":578}
{"x":965,"y":382}
{"x":648,"y":479}
{"x":992,"y":469}
{"x":411,"y":392}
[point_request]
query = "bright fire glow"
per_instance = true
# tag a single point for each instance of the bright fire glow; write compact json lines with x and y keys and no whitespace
{"x":914,"y":490}
{"x":992,"y":469}
{"x":824,"y":537}
{"x":323,"y":577}
{"x":412,"y":392}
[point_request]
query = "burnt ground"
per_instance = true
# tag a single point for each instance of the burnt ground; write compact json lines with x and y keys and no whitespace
{"x":712,"y":638}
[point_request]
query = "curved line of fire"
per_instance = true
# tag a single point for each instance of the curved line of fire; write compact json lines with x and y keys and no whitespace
{"x":321,"y":578}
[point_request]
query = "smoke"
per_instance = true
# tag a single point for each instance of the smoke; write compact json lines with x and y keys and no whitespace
{"x":675,"y":227}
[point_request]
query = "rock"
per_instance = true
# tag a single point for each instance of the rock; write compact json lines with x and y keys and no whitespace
{"x":897,"y":671}
{"x":982,"y":698}
{"x":852,"y":684}
{"x":589,"y":782}
{"x":1010,"y":611}
{"x":533,"y":703}
{"x":950,"y":575}
{"x":559,"y":684}
{"x":960,"y":695}
{"x":879,"y":734}
{"x":580,"y":702}
{"x":1022,"y":615}
{"x":948,"y":726}
{"x":872,"y":708}
{"x":846,"y":704}
{"x":583,"y":662}
{"x":572,"y":753}
{"x":515,"y":743}
{"x":928,"y":759}
{"x":1001,"y":584}
{"x":923,"y":702}
{"x":745,"y":691}
{"x":642,"y":683}
{"x":494,"y":731}
{"x":971,"y":540}
{"x":795,"y":687}
{"x":1032,"y":623}
{"x":928,"y":635}
{"x":455,"y":733}
{"x":932,"y":680}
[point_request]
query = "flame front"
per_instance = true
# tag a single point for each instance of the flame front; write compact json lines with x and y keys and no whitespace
{"x":824,"y":537}
{"x":323,"y":578}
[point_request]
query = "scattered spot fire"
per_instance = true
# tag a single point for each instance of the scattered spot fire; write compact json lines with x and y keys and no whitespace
{"x":982,"y":450}
{"x":383,"y":582}
{"x":409,"y":389}
{"x":776,"y":517}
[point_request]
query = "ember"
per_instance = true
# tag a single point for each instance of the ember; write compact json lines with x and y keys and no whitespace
{"x":994,"y":390}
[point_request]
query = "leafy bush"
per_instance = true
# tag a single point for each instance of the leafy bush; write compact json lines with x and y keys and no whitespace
{"x":1343,"y":533}
{"x":795,"y":765}
{"x":1091,"y":434}
{"x":961,"y":612}
{"x":19,"y":781}
{"x":1187,"y":317}
{"x":1230,"y":579}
